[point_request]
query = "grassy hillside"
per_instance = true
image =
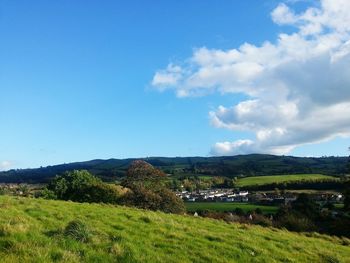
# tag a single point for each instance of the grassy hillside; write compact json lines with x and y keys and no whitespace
{"x":262,"y":180}
{"x":230,"y":166}
{"x":226,"y":207}
{"x":33,"y":230}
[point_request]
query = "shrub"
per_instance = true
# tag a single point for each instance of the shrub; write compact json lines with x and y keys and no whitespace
{"x":81,"y":186}
{"x":2,"y":191}
{"x":104,"y":193}
{"x":296,"y":222}
{"x":170,"y":203}
{"x":258,"y":211}
{"x":142,"y":198}
{"x":46,"y":194}
{"x":73,"y":185}
{"x":259,"y":219}
{"x":347,"y":198}
{"x":306,"y":206}
{"x":239,"y":211}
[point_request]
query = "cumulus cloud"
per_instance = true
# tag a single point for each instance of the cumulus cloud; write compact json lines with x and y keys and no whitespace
{"x":298,"y":86}
{"x":5,"y":165}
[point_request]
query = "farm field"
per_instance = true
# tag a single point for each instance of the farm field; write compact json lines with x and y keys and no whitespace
{"x":37,"y":230}
{"x":305,"y":191}
{"x":227,"y":206}
{"x":262,"y":180}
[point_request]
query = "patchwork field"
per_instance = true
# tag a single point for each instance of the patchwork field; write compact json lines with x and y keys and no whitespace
{"x":227,"y":206}
{"x":262,"y":180}
{"x":34,"y":230}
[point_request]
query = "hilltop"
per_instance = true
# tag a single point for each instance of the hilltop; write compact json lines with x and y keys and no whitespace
{"x":230,"y":166}
{"x":35,"y":230}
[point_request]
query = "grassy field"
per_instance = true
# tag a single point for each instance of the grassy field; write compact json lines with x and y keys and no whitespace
{"x":224,"y":207}
{"x":34,"y":230}
{"x":261,"y":180}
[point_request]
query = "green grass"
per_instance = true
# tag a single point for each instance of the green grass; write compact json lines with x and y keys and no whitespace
{"x":225,"y":207}
{"x":339,"y":206}
{"x":261,"y":180}
{"x":34,"y":230}
{"x":205,"y":177}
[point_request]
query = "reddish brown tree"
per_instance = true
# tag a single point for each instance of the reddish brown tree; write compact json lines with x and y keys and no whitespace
{"x":148,"y":190}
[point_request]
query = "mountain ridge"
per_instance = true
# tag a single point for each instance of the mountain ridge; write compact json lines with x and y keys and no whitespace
{"x":229,"y":166}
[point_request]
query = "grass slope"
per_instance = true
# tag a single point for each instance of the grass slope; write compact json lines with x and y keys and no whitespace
{"x":262,"y":180}
{"x":33,"y":230}
{"x":226,"y":207}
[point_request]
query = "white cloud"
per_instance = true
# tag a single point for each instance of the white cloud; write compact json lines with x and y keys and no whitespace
{"x":283,"y":15}
{"x":299,"y":86}
{"x":5,"y":165}
{"x":168,"y":77}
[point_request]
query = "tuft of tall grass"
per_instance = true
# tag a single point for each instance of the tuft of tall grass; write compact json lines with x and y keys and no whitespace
{"x":78,"y":230}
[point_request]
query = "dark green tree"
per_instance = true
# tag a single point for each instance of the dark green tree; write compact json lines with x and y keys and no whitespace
{"x":305,"y":206}
{"x":347,"y":198}
{"x":347,"y":190}
{"x":81,"y":186}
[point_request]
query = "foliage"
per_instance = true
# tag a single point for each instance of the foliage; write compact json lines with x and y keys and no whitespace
{"x":320,"y":184}
{"x":142,"y":174}
{"x":105,"y":193}
{"x":347,"y":198}
{"x":296,"y":222}
{"x":148,"y":190}
{"x":306,"y":215}
{"x":306,"y":207}
{"x":2,"y":191}
{"x":81,"y":186}
{"x":142,"y":197}
{"x":46,"y":194}
{"x":23,"y":189}
{"x":191,"y":183}
{"x":170,"y":203}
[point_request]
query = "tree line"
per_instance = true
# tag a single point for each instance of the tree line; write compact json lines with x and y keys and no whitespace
{"x":142,"y":188}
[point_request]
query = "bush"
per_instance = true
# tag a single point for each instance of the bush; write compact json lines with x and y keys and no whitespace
{"x":296,"y":222}
{"x":73,"y":185}
{"x":78,"y":231}
{"x":46,"y":194}
{"x":142,"y":198}
{"x":259,"y":219}
{"x":81,"y":186}
{"x":2,"y":191}
{"x":170,"y":203}
{"x":104,"y":193}
{"x":258,"y":211}
{"x":239,"y":211}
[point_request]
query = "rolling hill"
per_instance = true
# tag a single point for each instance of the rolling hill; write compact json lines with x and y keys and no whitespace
{"x":263,"y":180}
{"x":231,"y":166}
{"x":37,"y":230}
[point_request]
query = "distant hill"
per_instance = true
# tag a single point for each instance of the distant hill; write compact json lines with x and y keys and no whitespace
{"x":230,"y":166}
{"x":38,"y":230}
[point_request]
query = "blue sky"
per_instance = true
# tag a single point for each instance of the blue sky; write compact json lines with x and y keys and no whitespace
{"x":77,"y":78}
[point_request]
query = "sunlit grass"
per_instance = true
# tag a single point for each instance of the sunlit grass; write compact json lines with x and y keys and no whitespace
{"x":261,"y":180}
{"x":228,"y":206}
{"x":34,"y":230}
